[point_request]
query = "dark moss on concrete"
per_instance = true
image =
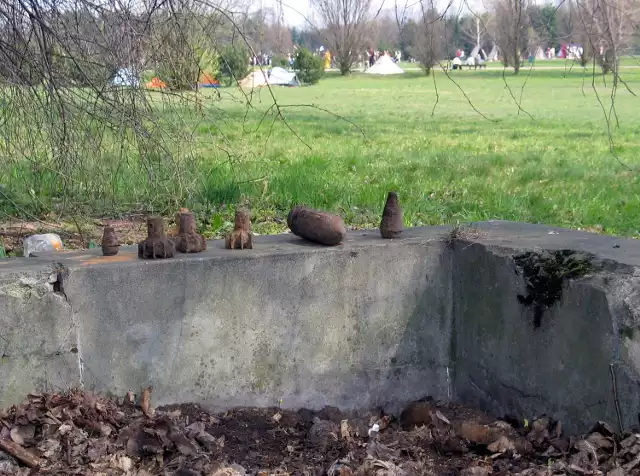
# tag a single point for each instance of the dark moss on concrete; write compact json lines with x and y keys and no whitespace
{"x":545,"y":274}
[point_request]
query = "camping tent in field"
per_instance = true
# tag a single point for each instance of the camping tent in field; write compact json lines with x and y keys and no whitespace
{"x":494,"y":54}
{"x":385,"y":66}
{"x":208,"y":81}
{"x":274,"y":77}
{"x":255,"y":79}
{"x":125,"y":77}
{"x":156,"y":83}
{"x":281,"y":77}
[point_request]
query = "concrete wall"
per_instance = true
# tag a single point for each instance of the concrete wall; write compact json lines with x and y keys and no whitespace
{"x":372,"y":322}
{"x":506,"y":365}
{"x":38,"y":335}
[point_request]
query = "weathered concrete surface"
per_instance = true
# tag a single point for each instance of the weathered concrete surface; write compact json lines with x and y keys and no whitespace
{"x":506,"y":365}
{"x":370,"y":322}
{"x":38,"y":336}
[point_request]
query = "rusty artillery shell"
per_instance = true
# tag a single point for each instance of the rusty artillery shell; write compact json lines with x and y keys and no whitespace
{"x":157,"y":245}
{"x":188,"y":240}
{"x":392,"y":223}
{"x":241,"y":237}
{"x":319,"y":227}
{"x":110,"y":242}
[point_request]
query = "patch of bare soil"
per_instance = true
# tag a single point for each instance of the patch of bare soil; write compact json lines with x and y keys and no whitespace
{"x":80,"y":433}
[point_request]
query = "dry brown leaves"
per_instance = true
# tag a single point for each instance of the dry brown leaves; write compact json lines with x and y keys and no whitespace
{"x":80,"y":433}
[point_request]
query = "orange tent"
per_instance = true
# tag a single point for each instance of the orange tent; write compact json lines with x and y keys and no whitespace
{"x":206,"y":80}
{"x":156,"y":83}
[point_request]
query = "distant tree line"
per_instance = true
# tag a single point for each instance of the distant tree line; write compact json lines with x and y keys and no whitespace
{"x":606,"y":29}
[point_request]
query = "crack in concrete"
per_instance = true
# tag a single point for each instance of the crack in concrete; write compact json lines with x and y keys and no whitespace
{"x":62,"y":272}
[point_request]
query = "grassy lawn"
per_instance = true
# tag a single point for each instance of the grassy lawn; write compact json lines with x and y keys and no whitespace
{"x":454,"y":165}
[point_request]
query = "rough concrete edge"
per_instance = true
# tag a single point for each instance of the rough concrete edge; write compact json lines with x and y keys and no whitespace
{"x":608,"y":275}
{"x":35,"y":281}
{"x":614,"y":279}
{"x":62,"y":273}
{"x":39,"y":279}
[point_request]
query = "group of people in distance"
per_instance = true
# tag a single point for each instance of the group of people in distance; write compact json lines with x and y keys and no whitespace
{"x":474,"y":62}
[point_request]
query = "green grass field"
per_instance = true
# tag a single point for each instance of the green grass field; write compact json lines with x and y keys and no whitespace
{"x":548,"y":162}
{"x":454,"y":165}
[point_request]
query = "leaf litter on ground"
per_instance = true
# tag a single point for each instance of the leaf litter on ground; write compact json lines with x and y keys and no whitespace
{"x":81,"y":433}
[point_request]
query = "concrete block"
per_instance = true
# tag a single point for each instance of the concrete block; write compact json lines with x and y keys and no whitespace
{"x":38,"y":335}
{"x":372,"y":322}
{"x":363,"y":325}
{"x":505,"y":365}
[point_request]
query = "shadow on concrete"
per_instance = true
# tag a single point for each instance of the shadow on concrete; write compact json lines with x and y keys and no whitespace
{"x":422,"y":354}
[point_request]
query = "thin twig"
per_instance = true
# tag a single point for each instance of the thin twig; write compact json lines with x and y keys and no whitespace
{"x":615,"y":396}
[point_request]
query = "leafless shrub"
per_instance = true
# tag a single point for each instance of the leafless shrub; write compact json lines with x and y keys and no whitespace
{"x":512,"y":25}
{"x":428,"y":48}
{"x":346,"y":24}
{"x":72,"y":139}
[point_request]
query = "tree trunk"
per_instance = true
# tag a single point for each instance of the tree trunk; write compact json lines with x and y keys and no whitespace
{"x":345,"y":67}
{"x":516,"y":58}
{"x":615,"y":65}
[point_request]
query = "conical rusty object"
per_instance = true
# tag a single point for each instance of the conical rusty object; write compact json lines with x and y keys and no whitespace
{"x":110,"y":242}
{"x":392,"y":223}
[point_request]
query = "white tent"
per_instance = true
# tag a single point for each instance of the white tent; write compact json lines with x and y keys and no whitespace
{"x":493,"y":56}
{"x":255,"y":79}
{"x":274,"y":77}
{"x":281,"y":77}
{"x":126,"y":77}
{"x":385,"y":66}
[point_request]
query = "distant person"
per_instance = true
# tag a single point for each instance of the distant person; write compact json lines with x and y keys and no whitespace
{"x":457,"y":63}
{"x":372,"y":58}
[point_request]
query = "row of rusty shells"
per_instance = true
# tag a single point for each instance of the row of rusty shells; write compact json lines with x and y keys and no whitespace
{"x":312,"y":225}
{"x":187,"y":240}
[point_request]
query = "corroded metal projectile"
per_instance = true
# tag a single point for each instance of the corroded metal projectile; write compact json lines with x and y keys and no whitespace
{"x":110,"y":242}
{"x":157,"y":245}
{"x":241,"y":237}
{"x":392,"y":223}
{"x":188,"y":240}
{"x":316,"y":226}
